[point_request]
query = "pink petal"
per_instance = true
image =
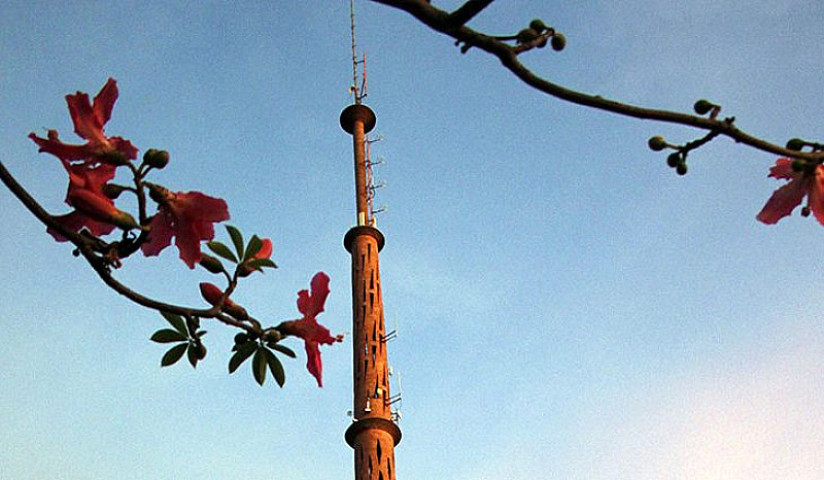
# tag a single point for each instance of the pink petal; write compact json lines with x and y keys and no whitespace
{"x":313,"y":361}
{"x":104,"y":101}
{"x":89,"y":120}
{"x":265,"y":250}
{"x":124,"y":146}
{"x":75,"y":221}
{"x":160,"y":235}
{"x":783,"y":168}
{"x":61,"y":150}
{"x":187,"y":241}
{"x":200,"y":207}
{"x":312,"y":305}
{"x":782,"y":202}
{"x":817,"y":194}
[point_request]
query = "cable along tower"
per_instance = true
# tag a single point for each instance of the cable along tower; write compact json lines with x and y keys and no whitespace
{"x":373,"y":434}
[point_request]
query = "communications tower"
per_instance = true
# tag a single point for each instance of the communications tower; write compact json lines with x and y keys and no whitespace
{"x":373,"y":433}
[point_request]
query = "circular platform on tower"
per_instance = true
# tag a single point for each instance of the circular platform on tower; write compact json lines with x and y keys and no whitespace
{"x":378,"y":423}
{"x":353,"y":113}
{"x":362,"y":230}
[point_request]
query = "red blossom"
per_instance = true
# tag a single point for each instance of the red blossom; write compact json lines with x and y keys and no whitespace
{"x":187,"y":216}
{"x":809,"y":183}
{"x":89,"y":120}
{"x":308,"y":328}
{"x":94,"y":211}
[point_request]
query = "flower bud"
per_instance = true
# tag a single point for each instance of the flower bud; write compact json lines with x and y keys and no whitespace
{"x":799,"y":165}
{"x":657,"y":143}
{"x":558,"y":42}
{"x":702,"y":107}
{"x":795,"y":144}
{"x":538,"y":25}
{"x":805,"y":211}
{"x":113,"y":190}
{"x":527,"y":35}
{"x":673,"y":160}
{"x":113,"y":157}
{"x":156,"y":158}
{"x":124,"y":221}
{"x":212,"y":294}
{"x":681,"y":169}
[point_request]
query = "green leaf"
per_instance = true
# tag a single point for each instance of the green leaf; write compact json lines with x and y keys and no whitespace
{"x":237,"y":239}
{"x":259,"y":366}
{"x":255,"y":244}
{"x":176,"y":321}
{"x":261,"y":262}
{"x":243,"y":352}
{"x":275,"y":367}
{"x":284,"y":350}
{"x":173,"y":355}
{"x":167,"y":335}
{"x":222,"y":250}
{"x":192,"y":354}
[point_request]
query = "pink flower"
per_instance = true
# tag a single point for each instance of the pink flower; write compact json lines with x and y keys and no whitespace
{"x":94,"y":211}
{"x":187,"y":216}
{"x":89,"y":120}
{"x":808,"y":182}
{"x":308,"y":328}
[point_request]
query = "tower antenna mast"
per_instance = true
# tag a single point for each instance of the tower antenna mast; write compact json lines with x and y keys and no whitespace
{"x":358,"y":92}
{"x":373,"y":433}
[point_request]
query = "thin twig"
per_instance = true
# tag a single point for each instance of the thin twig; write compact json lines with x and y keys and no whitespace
{"x":439,"y":20}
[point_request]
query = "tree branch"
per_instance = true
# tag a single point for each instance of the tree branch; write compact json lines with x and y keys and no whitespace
{"x":87,"y":249}
{"x":467,"y":11}
{"x":440,"y":21}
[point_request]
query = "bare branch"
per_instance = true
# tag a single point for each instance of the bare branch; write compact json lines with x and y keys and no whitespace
{"x":467,"y":11}
{"x":439,"y":21}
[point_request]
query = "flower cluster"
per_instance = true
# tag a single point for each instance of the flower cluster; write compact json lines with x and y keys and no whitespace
{"x":186,"y":216}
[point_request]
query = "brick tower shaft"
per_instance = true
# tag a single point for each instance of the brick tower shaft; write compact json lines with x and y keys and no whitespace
{"x":372,"y":434}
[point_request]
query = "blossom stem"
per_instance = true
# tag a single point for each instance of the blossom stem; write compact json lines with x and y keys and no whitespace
{"x":90,"y":249}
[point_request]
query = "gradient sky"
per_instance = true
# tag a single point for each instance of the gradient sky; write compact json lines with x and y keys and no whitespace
{"x":567,"y":306}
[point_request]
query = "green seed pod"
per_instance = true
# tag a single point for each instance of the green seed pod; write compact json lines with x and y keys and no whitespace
{"x":527,"y":35}
{"x":156,"y":158}
{"x":538,"y":25}
{"x":702,"y":107}
{"x":113,"y":157}
{"x":112,"y":190}
{"x":674,"y":159}
{"x":558,"y":42}
{"x":681,"y":169}
{"x":795,"y":144}
{"x":657,"y":143}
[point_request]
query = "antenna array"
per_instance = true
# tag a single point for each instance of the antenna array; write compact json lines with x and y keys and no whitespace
{"x":358,"y":92}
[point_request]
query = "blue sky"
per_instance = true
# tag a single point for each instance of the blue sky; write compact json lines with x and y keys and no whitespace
{"x":567,"y":306}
